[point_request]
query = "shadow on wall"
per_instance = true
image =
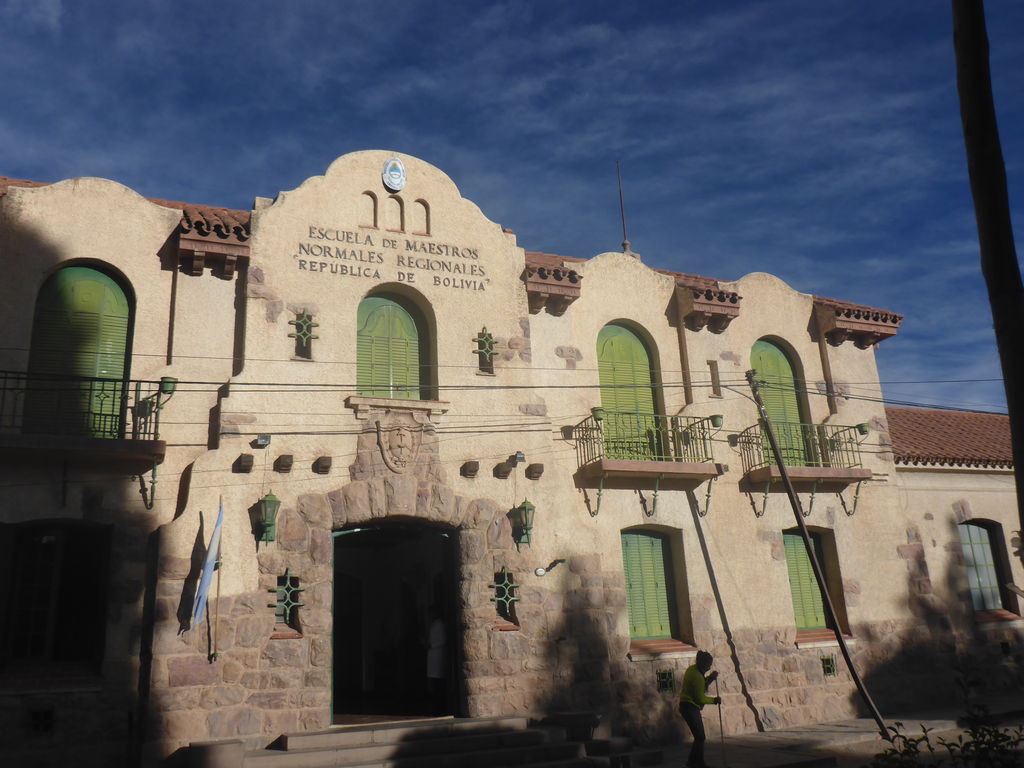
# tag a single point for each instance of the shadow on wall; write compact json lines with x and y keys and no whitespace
{"x":748,"y":700}
{"x":74,"y":634}
{"x":940,"y":656}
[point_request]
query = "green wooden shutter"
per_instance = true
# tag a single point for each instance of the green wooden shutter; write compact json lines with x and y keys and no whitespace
{"x":80,"y":329}
{"x":981,"y":568}
{"x":780,"y":400}
{"x":387,"y":350}
{"x":646,"y":566}
{"x":808,"y":606}
{"x":627,"y":395}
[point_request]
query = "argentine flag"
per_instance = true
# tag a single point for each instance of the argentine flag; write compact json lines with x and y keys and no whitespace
{"x":212,"y":556}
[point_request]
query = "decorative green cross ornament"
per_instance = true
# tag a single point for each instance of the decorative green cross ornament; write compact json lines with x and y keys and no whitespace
{"x":485,"y":350}
{"x":287,"y":590}
{"x":504,"y":596}
{"x":303,"y":335}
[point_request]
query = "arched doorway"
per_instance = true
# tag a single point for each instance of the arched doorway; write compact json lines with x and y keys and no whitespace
{"x":395,"y":638}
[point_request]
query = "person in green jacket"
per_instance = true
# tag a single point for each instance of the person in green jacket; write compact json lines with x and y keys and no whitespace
{"x":692,"y":699}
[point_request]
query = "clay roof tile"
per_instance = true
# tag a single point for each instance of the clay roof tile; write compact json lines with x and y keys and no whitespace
{"x":950,"y":438}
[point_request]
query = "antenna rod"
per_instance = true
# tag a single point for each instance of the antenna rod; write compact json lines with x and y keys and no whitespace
{"x":622,"y":209}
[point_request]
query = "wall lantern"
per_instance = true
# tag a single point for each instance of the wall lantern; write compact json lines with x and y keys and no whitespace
{"x":517,"y":458}
{"x":862,"y":429}
{"x":268,"y":506}
{"x":522,"y":523}
{"x":167,"y":385}
{"x":717,"y":420}
{"x":598,"y":414}
{"x":262,"y":441}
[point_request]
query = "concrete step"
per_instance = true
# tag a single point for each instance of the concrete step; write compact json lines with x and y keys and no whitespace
{"x":565,"y":754}
{"x":630,"y":759}
{"x":414,"y":749}
{"x":613,"y":746}
{"x":392,"y":733}
{"x":468,"y":743}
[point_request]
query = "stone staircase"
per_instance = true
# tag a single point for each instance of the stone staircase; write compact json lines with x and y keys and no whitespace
{"x":613,"y":752}
{"x":564,"y":740}
{"x":453,"y":743}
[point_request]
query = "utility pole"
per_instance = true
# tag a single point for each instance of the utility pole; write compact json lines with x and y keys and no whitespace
{"x":992,"y":211}
{"x":819,"y":573}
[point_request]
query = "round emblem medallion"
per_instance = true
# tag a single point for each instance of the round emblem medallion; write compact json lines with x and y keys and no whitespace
{"x":393,"y":175}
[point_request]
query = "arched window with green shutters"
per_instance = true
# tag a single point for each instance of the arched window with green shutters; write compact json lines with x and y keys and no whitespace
{"x":78,"y":363}
{"x":646,"y":563}
{"x":627,"y":394}
{"x":773,"y":367}
{"x":808,"y":606}
{"x":389,"y":350}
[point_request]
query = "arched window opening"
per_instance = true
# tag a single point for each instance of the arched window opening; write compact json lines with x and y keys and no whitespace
{"x":631,"y":428}
{"x":394,"y":214}
{"x":78,"y":364}
{"x":368,"y":210}
{"x":779,"y":392}
{"x":981,"y":544}
{"x":391,"y":349}
{"x":420,"y":218}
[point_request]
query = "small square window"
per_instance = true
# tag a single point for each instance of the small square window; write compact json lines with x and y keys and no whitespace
{"x":666,"y":680}
{"x":828,"y":666}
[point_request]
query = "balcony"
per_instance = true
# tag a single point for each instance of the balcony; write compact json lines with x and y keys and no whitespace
{"x":644,"y":451}
{"x":825,"y":456}
{"x":114,"y":423}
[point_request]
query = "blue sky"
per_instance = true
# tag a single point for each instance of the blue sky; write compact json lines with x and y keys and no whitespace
{"x":818,"y":140}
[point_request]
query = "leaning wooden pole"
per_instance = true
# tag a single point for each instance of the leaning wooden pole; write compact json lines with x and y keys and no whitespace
{"x":819,"y":574}
{"x":992,"y":212}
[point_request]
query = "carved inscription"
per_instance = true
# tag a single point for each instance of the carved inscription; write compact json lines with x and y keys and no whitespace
{"x":350,"y":254}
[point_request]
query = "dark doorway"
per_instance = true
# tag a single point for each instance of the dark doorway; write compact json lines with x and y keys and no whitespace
{"x":395,"y":638}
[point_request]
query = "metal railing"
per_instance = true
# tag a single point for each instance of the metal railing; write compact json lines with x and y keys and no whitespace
{"x":642,"y":437}
{"x":41,"y":404}
{"x":802,"y":445}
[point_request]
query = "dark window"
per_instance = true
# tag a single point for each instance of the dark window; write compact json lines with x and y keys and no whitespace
{"x":54,"y":594}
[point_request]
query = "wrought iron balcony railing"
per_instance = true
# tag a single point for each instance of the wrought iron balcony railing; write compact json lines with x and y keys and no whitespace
{"x":802,"y":445}
{"x":37,"y":404}
{"x":643,"y":437}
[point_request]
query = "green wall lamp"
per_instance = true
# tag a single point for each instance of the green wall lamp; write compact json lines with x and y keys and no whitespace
{"x":268,"y":507}
{"x":522,"y":523}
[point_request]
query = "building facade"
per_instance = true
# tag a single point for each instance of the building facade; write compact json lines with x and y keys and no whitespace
{"x":457,"y":478}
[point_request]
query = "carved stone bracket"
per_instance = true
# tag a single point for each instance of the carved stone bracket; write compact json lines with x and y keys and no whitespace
{"x":551,"y":288}
{"x":863,"y":326}
{"x":709,"y":307}
{"x":422,"y":411}
{"x":196,"y":252}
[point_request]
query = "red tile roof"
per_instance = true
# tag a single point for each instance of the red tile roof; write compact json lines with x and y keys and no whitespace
{"x":949,"y":438}
{"x":204,"y":220}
